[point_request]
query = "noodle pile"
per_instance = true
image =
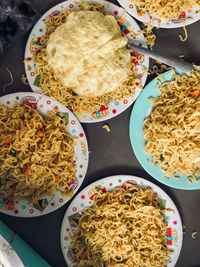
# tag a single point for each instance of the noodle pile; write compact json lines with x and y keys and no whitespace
{"x":172,"y":131}
{"x":124,"y":227}
{"x":147,"y":30}
{"x":52,"y":87}
{"x":36,"y":154}
{"x":166,"y":9}
{"x":158,"y":68}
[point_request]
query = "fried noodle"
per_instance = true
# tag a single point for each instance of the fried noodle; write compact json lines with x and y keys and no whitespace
{"x":172,"y":129}
{"x":125,"y":226}
{"x":165,"y":9}
{"x":36,"y":154}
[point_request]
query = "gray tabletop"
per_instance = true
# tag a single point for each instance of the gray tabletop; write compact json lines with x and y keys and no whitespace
{"x":111,"y":153}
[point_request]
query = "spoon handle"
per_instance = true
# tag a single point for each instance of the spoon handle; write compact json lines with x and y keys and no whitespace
{"x":170,"y":61}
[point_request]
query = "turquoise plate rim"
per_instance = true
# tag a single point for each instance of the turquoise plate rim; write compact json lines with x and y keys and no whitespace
{"x":138,"y":114}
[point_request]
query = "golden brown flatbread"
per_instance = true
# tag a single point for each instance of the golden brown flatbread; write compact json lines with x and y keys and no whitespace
{"x":89,"y":54}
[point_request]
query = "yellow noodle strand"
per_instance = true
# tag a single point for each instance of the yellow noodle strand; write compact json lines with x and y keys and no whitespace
{"x":24,"y":79}
{"x":9,"y":83}
{"x":186,"y":35}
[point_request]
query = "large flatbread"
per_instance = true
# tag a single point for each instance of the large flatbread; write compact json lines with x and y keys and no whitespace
{"x":89,"y":54}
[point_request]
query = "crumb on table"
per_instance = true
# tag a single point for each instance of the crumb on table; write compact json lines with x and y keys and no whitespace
{"x":105,"y":126}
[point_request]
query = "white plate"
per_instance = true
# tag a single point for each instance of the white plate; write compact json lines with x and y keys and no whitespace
{"x":127,"y":25}
{"x":48,"y":204}
{"x":174,"y":234}
{"x":187,"y":17}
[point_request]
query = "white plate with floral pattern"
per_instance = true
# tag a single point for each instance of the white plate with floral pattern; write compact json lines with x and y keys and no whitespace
{"x":174,"y":234}
{"x":127,"y":24}
{"x":186,"y":17}
{"x":47,"y":204}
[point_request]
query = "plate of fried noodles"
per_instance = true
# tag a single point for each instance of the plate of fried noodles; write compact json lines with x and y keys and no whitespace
{"x":90,"y":71}
{"x":165,"y":132}
{"x":43,"y":154}
{"x":121,"y":220}
{"x":164,"y":14}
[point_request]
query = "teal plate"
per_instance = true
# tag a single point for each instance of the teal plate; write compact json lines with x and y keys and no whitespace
{"x":141,"y":110}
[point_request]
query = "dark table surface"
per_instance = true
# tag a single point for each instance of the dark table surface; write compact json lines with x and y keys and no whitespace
{"x":111,"y":153}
